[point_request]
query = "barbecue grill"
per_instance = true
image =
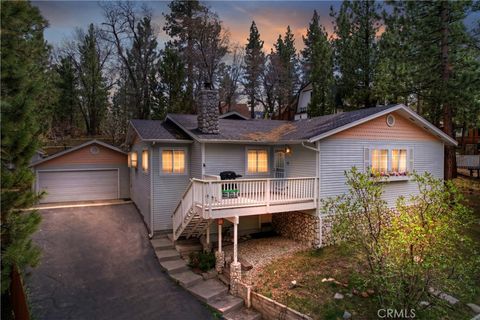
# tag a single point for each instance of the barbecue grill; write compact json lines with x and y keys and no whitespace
{"x":229,"y":190}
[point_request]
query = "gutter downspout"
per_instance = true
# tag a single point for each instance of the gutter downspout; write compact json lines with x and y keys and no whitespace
{"x":150,"y":235}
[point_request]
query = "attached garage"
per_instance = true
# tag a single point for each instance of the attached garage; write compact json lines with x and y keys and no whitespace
{"x":92,"y":171}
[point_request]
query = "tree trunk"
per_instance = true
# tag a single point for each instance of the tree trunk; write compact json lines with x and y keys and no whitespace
{"x":450,"y":166}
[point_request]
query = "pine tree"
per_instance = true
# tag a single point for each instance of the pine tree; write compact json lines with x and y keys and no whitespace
{"x":66,"y":110}
{"x":24,"y":56}
{"x":254,"y":67}
{"x":172,"y":83}
{"x":318,"y":68}
{"x":142,"y":59}
{"x":356,"y":51}
{"x":92,"y":91}
{"x":180,"y":25}
{"x":441,"y":64}
{"x":288,"y":79}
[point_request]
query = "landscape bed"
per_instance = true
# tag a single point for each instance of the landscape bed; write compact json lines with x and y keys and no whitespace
{"x":307,"y":281}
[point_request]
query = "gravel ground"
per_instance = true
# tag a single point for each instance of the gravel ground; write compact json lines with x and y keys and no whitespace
{"x":260,"y":252}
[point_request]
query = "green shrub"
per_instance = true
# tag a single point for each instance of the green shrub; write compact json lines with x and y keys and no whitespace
{"x":418,"y":244}
{"x":202,"y":260}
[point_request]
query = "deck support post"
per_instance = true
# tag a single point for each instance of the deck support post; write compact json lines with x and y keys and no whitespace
{"x":207,"y":246}
{"x":235,"y":266}
{"x":219,"y":254}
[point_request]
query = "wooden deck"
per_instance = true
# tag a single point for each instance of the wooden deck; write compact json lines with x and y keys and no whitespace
{"x":213,"y":199}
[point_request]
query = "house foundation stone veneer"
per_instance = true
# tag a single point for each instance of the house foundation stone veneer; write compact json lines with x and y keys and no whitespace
{"x":235,"y":276}
{"x":219,"y":261}
{"x":208,"y":112}
{"x":300,"y":226}
{"x":326,"y":222}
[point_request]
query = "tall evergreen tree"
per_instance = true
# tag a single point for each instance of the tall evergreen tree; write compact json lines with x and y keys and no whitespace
{"x":318,"y":68}
{"x":24,"y":56}
{"x":254,"y":67}
{"x":442,"y":65}
{"x":172,"y":83}
{"x":93,"y":93}
{"x":356,"y":51}
{"x":288,"y":78}
{"x":143,"y":57}
{"x":66,"y":110}
{"x":180,"y":25}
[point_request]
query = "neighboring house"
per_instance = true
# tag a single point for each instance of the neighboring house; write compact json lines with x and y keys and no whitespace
{"x":304,"y":98}
{"x":469,"y":141}
{"x":287,"y":167}
{"x":91,"y":171}
{"x":238,"y":108}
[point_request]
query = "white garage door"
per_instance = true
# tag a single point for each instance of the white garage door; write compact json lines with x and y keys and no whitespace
{"x":78,"y":185}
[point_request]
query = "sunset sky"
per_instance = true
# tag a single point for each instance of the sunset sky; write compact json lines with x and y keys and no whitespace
{"x":272,"y":17}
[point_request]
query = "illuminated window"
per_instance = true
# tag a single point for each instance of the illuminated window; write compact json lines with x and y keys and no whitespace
{"x":134,"y":160}
{"x":145,"y":160}
{"x":380,"y":161}
{"x":257,"y":161}
{"x":399,"y":161}
{"x":173,"y":161}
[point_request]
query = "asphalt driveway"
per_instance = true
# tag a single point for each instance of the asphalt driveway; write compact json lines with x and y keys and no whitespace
{"x":97,"y":263}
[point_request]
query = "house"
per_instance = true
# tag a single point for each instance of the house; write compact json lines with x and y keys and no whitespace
{"x":286,"y":167}
{"x":303,"y":100}
{"x":93,"y":170}
{"x":240,"y":109}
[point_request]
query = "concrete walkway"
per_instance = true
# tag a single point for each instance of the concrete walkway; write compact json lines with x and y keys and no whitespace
{"x":98,"y":263}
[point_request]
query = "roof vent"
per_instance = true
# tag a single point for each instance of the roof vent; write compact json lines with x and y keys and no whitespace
{"x":390,"y":120}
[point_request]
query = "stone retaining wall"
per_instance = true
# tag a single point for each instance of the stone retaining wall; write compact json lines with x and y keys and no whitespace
{"x":270,"y":309}
{"x":326,"y":230}
{"x":300,"y":226}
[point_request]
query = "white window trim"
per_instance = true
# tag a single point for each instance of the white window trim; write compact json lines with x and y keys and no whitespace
{"x":389,"y":160}
{"x":160,"y":162}
{"x":268,"y":161}
{"x":148,"y":160}
{"x":131,"y":158}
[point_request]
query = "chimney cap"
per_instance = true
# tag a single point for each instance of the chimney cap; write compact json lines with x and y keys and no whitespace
{"x":207,"y":85}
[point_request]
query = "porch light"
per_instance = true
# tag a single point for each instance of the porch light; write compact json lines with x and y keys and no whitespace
{"x":288,"y":150}
{"x":220,"y":222}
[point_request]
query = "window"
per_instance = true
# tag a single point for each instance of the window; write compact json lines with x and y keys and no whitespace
{"x":257,"y":161}
{"x":389,"y":161}
{"x":379,"y":161}
{"x":129,"y":159}
{"x":173,"y":161}
{"x":134,"y":160}
{"x":145,"y":160}
{"x":399,"y":161}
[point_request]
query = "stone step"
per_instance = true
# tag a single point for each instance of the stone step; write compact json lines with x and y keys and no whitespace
{"x":208,"y":290}
{"x":166,"y":254}
{"x":225,"y":279}
{"x":226,"y":303}
{"x":162,"y":243}
{"x":187,"y":278}
{"x":243,"y":314}
{"x":174,"y":266}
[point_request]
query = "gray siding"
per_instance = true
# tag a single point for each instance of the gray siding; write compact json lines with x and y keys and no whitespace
{"x":167,"y":189}
{"x":339,"y":155}
{"x":196,"y":160}
{"x":140,"y":184}
{"x":301,"y":162}
{"x":123,"y":173}
{"x":232,"y":157}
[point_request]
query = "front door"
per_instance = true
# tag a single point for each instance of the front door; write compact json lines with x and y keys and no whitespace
{"x":279,"y":161}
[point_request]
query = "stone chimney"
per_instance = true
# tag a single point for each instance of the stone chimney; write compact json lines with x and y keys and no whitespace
{"x":208,"y":110}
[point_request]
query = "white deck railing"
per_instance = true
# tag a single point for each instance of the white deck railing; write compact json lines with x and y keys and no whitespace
{"x":211,"y":195}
